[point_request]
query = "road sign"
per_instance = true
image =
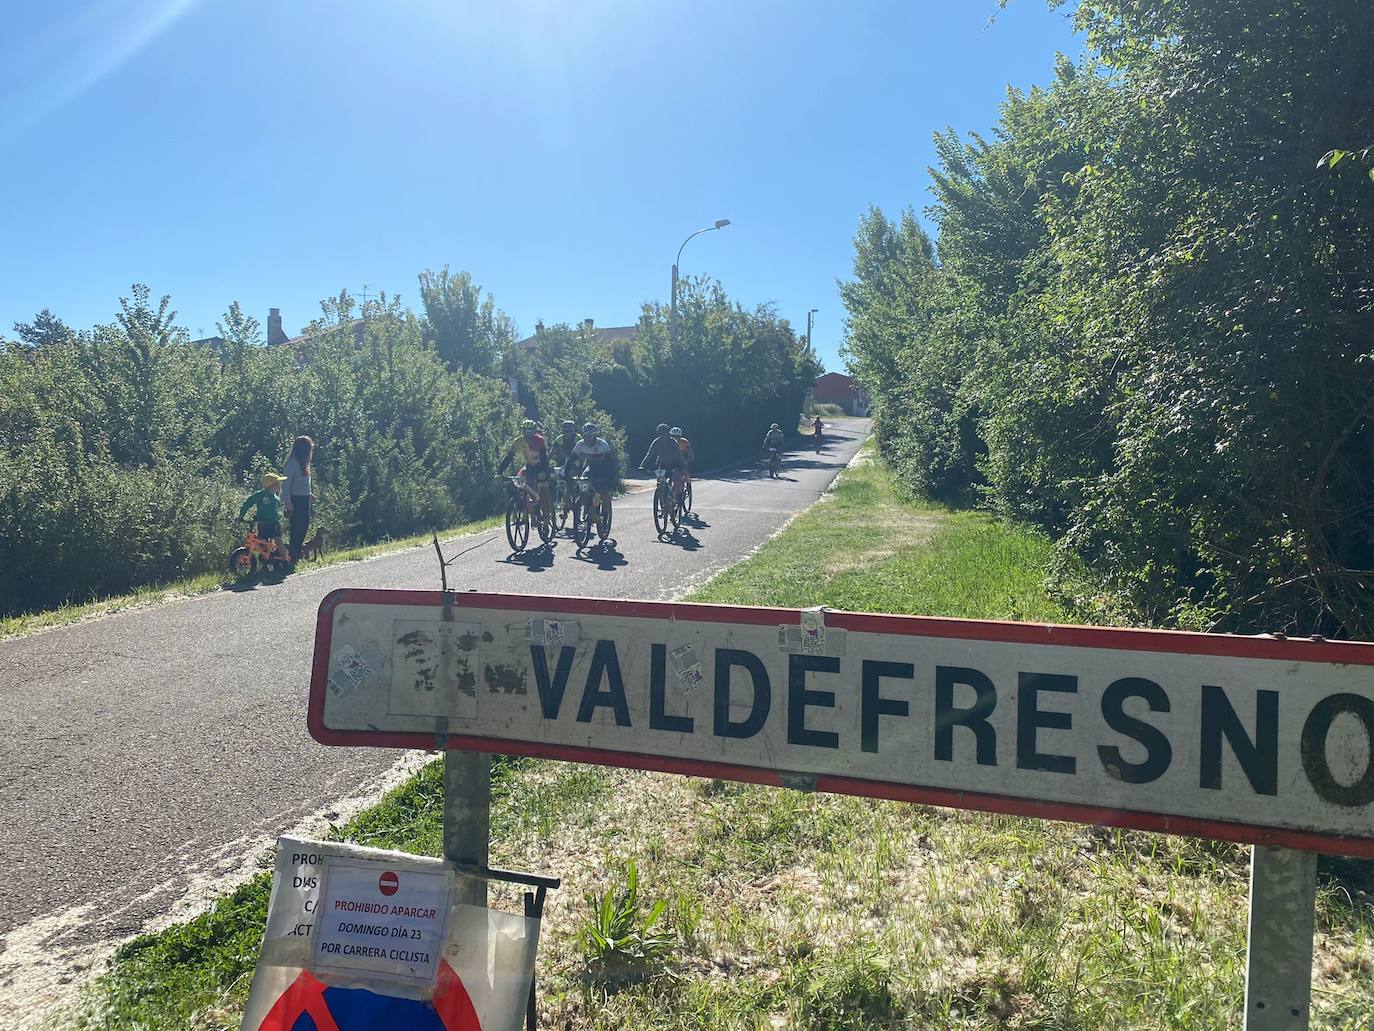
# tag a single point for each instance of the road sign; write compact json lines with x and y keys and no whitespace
{"x":1245,"y":739}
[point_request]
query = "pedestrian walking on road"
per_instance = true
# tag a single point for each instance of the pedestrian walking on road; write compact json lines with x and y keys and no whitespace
{"x":297,"y":493}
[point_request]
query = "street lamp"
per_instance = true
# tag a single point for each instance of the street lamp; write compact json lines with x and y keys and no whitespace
{"x":721,"y":223}
{"x":809,"y":322}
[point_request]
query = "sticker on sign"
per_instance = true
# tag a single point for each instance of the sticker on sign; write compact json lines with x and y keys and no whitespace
{"x":1244,"y":739}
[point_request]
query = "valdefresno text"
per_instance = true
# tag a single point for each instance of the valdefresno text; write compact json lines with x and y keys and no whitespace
{"x":961,"y":702}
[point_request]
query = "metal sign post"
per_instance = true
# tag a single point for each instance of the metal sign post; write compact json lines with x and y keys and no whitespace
{"x":1278,"y":964}
{"x":467,"y":817}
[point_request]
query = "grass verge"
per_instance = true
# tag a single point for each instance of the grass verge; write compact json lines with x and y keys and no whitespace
{"x":153,"y":594}
{"x":794,"y":910}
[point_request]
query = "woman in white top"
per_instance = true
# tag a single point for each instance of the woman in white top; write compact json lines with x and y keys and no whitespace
{"x":296,"y":493}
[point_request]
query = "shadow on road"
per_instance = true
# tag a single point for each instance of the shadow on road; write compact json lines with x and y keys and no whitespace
{"x":605,"y":555}
{"x":535,"y":560}
{"x":681,"y":539}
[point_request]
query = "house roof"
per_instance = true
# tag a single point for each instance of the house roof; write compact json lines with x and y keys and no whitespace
{"x":604,"y":335}
{"x":356,"y":324}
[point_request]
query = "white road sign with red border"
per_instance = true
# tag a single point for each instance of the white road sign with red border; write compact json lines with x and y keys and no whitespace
{"x":1239,"y":738}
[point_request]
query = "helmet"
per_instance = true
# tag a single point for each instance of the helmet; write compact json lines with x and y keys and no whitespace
{"x":527,"y":426}
{"x":773,"y":427}
{"x":569,"y":425}
{"x":590,"y":427}
{"x":662,"y":427}
{"x":676,"y":431}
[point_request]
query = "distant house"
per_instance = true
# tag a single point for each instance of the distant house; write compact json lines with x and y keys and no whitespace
{"x":605,"y":336}
{"x":276,"y":336}
{"x":836,"y":388}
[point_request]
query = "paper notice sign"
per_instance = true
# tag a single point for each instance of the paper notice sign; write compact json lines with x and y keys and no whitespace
{"x":382,"y":920}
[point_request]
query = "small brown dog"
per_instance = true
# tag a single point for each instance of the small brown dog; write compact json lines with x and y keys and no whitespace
{"x":313,"y":548}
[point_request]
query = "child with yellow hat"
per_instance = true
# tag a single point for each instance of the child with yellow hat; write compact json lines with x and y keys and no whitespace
{"x":267,"y":503}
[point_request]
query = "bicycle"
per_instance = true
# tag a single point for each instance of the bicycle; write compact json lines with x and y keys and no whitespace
{"x":589,"y":509}
{"x":243,"y":561}
{"x":774,"y":463}
{"x":667,"y":504}
{"x":523,"y":508}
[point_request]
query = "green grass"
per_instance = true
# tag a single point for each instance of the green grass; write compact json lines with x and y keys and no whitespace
{"x":153,"y":594}
{"x":791,"y":910}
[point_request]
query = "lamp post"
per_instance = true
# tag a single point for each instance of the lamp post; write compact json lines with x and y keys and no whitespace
{"x":809,"y":322}
{"x":721,"y":223}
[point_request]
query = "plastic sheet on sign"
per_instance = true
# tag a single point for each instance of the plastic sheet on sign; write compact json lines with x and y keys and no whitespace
{"x":480,"y":977}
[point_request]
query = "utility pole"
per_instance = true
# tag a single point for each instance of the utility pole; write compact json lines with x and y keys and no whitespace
{"x":809,"y":322}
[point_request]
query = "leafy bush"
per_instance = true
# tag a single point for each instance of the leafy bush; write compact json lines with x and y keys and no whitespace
{"x":125,"y":451}
{"x":1145,"y":324}
{"x":731,"y":373}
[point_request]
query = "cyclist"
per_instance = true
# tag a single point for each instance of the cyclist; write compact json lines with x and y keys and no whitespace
{"x":816,"y":432}
{"x":688,"y":455}
{"x":685,"y":446}
{"x":533,"y":453}
{"x":562,"y":448}
{"x":773,"y":440}
{"x":266,"y":505}
{"x":596,"y":455}
{"x":667,"y":456}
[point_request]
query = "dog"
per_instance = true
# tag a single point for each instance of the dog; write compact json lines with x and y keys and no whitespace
{"x":313,"y":548}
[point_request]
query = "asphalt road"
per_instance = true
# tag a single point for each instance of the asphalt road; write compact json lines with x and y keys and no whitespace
{"x":146,"y":758}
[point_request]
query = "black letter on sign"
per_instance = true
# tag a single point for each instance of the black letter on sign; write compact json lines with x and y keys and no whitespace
{"x":1158,"y":752}
{"x":1314,"y":733}
{"x":1030,"y":718}
{"x":551,"y":695}
{"x":763,"y":694}
{"x":798,"y":698}
{"x":1258,"y":758}
{"x":605,"y":662}
{"x":658,"y":677}
{"x":874,"y":705}
{"x":975,"y":717}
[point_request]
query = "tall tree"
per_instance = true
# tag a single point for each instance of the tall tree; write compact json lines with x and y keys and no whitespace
{"x":467,"y":330}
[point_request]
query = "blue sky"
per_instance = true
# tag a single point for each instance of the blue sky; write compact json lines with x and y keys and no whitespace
{"x":274,"y":151}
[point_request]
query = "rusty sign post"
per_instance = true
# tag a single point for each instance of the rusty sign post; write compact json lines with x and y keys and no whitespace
{"x":1253,"y":740}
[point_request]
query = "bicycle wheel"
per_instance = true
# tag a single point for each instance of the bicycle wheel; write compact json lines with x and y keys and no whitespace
{"x":603,"y":520}
{"x":517,"y":525}
{"x":241,"y":562}
{"x":675,"y":512}
{"x":582,"y":522}
{"x":662,"y":502}
{"x":562,"y":508}
{"x":686,"y":505}
{"x":545,"y":520}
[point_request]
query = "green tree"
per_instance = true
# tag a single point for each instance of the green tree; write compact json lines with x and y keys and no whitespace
{"x":466,"y":329}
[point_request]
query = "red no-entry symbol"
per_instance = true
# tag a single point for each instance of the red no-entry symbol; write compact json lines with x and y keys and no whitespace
{"x":389,"y":883}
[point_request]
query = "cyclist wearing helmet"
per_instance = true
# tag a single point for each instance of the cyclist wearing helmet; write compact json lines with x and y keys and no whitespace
{"x":667,"y":456}
{"x":773,"y":438}
{"x":596,"y":455}
{"x":562,"y":449}
{"x":684,"y":445}
{"x":533,"y":453}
